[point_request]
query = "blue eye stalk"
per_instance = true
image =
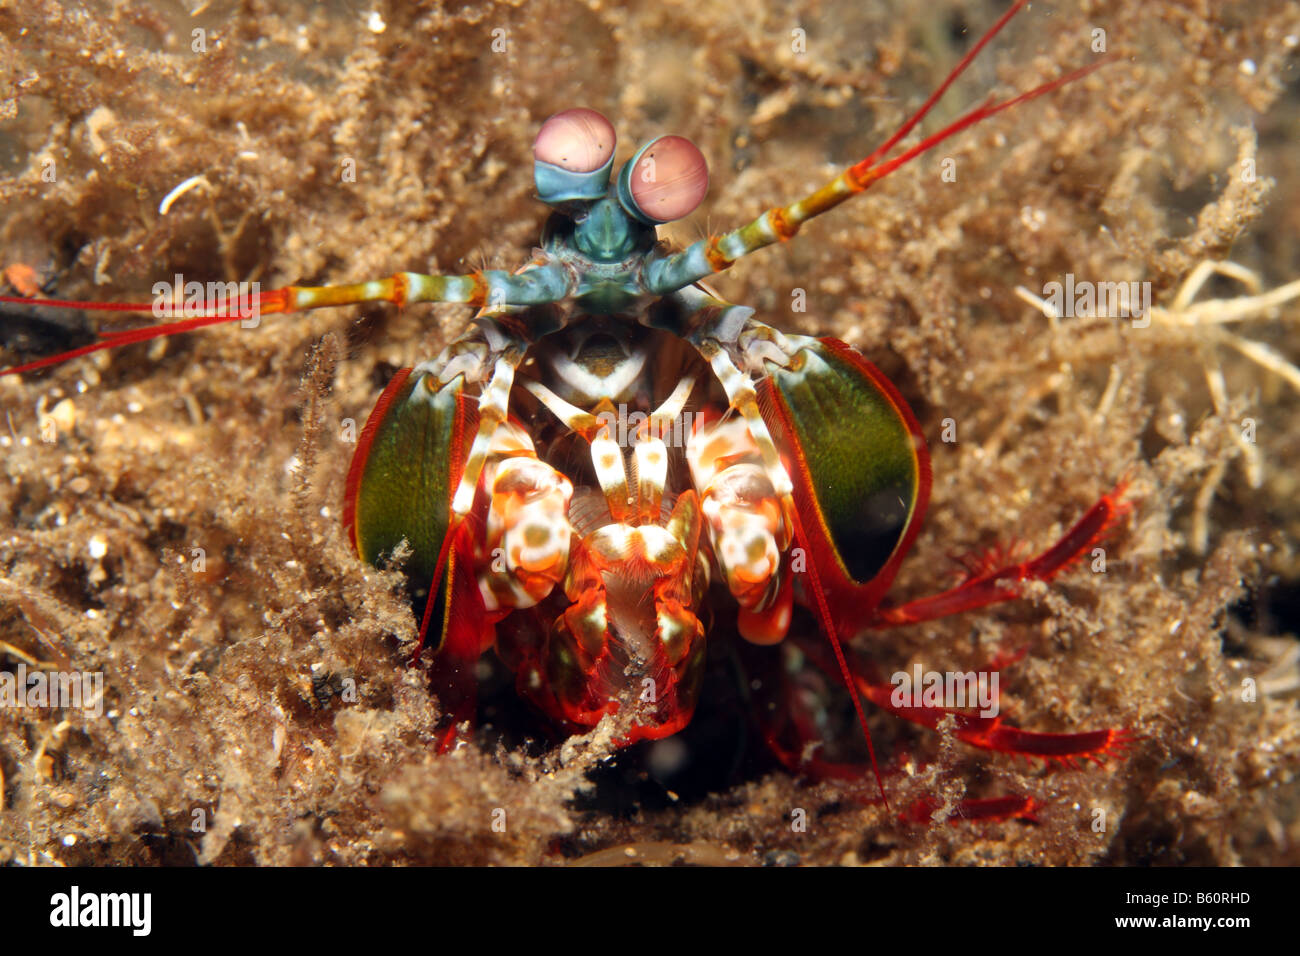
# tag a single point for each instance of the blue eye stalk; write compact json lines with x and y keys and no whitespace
{"x":573,"y":157}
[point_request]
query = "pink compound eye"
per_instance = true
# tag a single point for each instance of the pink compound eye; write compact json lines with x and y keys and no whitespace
{"x":669,"y":179}
{"x":580,"y":141}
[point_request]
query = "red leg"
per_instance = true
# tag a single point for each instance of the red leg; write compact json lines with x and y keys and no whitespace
{"x":997,"y":584}
{"x":987,"y":733}
{"x":990,"y":733}
{"x":918,"y":812}
{"x":793,"y":734}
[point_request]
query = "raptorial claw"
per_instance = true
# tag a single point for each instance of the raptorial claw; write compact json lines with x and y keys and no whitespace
{"x":526,"y":551}
{"x":746,"y":525}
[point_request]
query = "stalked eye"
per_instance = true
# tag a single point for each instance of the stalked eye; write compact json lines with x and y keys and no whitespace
{"x":668,"y":179}
{"x":579,"y":140}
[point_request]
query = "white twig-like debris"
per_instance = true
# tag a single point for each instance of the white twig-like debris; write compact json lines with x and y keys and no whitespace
{"x":180,"y":191}
{"x":1203,"y":324}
